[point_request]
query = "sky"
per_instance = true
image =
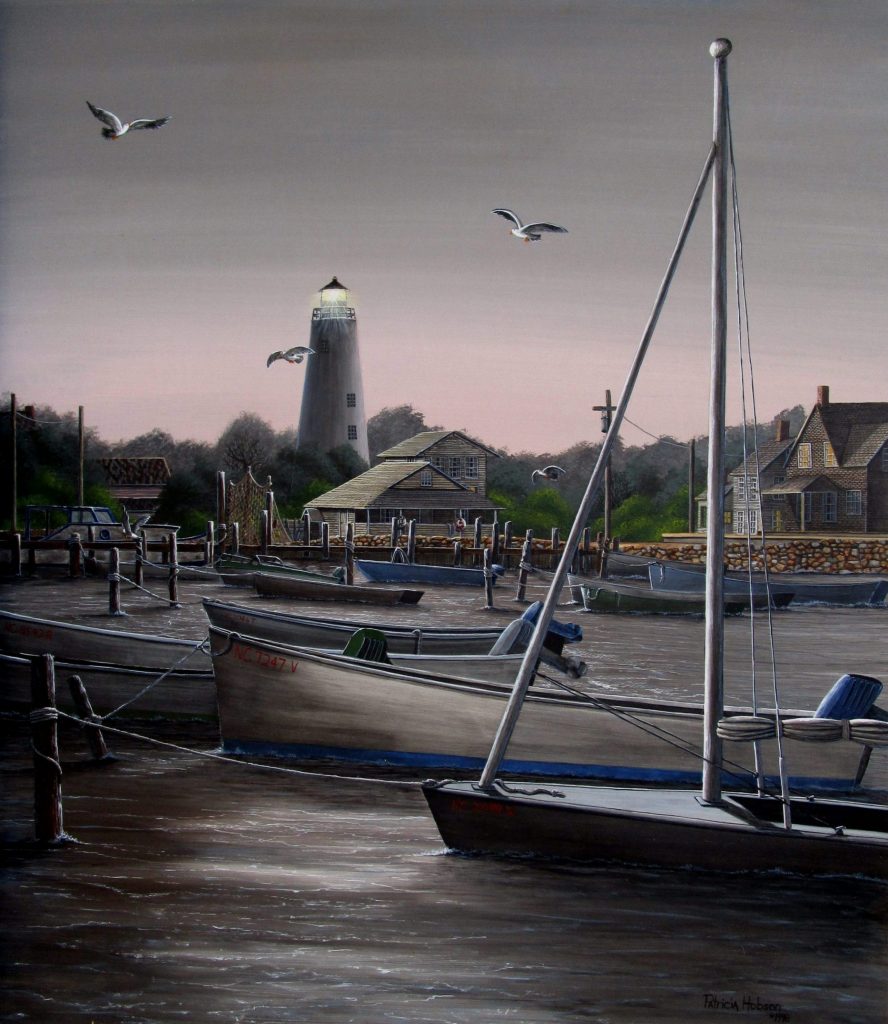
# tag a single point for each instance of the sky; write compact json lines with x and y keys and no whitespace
{"x":149,"y":278}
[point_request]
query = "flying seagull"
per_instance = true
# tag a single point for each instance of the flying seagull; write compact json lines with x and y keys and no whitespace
{"x":548,"y":473}
{"x":528,"y":232}
{"x":115,"y":127}
{"x":292,"y":355}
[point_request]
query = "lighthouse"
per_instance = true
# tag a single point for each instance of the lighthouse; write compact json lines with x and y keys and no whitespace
{"x":332,"y":412}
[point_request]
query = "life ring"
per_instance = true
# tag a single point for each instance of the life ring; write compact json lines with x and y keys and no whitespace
{"x":460,"y":524}
{"x":104,"y":535}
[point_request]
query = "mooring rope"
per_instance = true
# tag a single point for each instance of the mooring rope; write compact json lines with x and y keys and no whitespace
{"x":214,"y":756}
{"x":203,"y":647}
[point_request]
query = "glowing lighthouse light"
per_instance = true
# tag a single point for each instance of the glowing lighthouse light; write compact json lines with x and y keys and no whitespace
{"x":333,"y":303}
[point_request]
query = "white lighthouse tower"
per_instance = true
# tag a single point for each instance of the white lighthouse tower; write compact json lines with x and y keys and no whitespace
{"x":332,"y":412}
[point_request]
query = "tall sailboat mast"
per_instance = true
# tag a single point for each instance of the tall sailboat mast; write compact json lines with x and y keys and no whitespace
{"x":715,"y":526}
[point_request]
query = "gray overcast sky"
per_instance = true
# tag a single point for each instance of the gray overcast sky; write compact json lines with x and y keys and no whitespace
{"x":148,"y":279}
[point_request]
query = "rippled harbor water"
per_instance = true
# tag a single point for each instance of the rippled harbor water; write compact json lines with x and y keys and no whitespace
{"x":202,"y":890}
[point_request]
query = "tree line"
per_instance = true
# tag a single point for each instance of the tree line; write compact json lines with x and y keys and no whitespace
{"x":649,"y":492}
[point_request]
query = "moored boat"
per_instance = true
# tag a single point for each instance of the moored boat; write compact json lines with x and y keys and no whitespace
{"x":239,"y":570}
{"x":412,"y":572}
{"x":610,"y":596}
{"x":283,"y":700}
{"x":299,"y":588}
{"x":804,"y":589}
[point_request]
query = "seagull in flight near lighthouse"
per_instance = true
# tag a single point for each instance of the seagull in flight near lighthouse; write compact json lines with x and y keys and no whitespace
{"x":115,"y":127}
{"x":292,"y":355}
{"x":528,"y":232}
{"x":548,"y":473}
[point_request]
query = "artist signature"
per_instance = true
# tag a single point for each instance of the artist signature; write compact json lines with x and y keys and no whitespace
{"x":745,"y":1004}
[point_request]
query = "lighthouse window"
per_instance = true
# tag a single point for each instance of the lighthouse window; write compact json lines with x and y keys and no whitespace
{"x":352,"y":432}
{"x":350,"y":400}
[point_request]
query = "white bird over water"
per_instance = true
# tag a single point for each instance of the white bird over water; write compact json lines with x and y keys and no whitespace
{"x":529,"y":232}
{"x":115,"y":127}
{"x":292,"y":355}
{"x":547,"y":473}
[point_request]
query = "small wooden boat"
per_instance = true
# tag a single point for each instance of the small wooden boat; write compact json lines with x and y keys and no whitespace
{"x":804,"y":589}
{"x":68,"y":641}
{"x":173,"y":692}
{"x":313,"y":631}
{"x":411,"y":572}
{"x":239,"y":570}
{"x":282,"y":700}
{"x":611,"y":596}
{"x":280,"y":585}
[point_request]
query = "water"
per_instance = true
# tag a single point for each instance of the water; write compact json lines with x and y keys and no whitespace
{"x":207,"y":891}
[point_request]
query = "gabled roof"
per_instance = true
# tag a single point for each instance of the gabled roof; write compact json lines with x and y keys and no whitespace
{"x":803,"y":484}
{"x":375,"y":489}
{"x":768,"y":453}
{"x":856,"y":430}
{"x":419,"y":444}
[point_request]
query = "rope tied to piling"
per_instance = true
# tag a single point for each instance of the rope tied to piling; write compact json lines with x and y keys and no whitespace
{"x":47,"y":714}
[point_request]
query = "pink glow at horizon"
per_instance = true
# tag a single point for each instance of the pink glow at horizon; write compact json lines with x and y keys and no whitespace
{"x":148,"y":279}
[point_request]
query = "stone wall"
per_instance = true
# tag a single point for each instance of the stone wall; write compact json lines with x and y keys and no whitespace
{"x":821,"y":554}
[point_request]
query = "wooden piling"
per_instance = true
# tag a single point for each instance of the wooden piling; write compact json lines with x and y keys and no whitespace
{"x":526,"y":554}
{"x":411,"y":541}
{"x":45,"y":741}
{"x":16,"y":555}
{"x":139,"y":572}
{"x":488,"y":578}
{"x":92,"y":732}
{"x":263,"y":531}
{"x":507,"y":544}
{"x":174,"y":572}
{"x":114,"y":582}
{"x":210,"y":543}
{"x":350,"y":553}
{"x":495,"y":540}
{"x":395,"y":533}
{"x":457,"y":553}
{"x":476,"y":542}
{"x":306,"y":528}
{"x":221,"y":497}
{"x":235,"y":538}
{"x":75,"y":557}
{"x":325,"y":539}
{"x":556,"y":543}
{"x":269,"y":521}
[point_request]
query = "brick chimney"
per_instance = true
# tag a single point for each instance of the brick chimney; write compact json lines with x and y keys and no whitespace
{"x":823,"y":395}
{"x":781,"y":430}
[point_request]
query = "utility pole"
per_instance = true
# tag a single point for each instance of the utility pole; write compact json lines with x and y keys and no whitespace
{"x":13,"y":465}
{"x":606,"y":411}
{"x":692,"y":451}
{"x":81,"y":447}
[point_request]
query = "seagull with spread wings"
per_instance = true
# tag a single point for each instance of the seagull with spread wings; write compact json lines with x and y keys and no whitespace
{"x":548,"y":473}
{"x":528,"y":232}
{"x":292,"y":355}
{"x":115,"y":127}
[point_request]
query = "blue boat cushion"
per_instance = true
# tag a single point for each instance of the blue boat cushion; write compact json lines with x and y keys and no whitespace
{"x":851,"y":697}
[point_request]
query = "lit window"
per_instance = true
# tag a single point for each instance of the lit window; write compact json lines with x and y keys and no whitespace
{"x":352,"y":432}
{"x":804,"y":457}
{"x":854,"y":503}
{"x":829,"y":456}
{"x":350,"y":400}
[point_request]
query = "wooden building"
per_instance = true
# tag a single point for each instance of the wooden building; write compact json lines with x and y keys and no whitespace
{"x":836,"y":470}
{"x":437,"y":477}
{"x":832,"y":478}
{"x":136,"y":482}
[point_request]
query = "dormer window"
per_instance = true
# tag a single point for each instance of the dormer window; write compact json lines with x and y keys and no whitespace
{"x":804,"y":455}
{"x":425,"y":478}
{"x":829,"y":456}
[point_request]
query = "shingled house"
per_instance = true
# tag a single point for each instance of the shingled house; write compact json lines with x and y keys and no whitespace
{"x":752,"y":482}
{"x":436,"y":477}
{"x":836,"y":471}
{"x":136,"y":481}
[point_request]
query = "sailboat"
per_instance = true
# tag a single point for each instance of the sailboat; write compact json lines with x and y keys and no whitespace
{"x":709,"y":829}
